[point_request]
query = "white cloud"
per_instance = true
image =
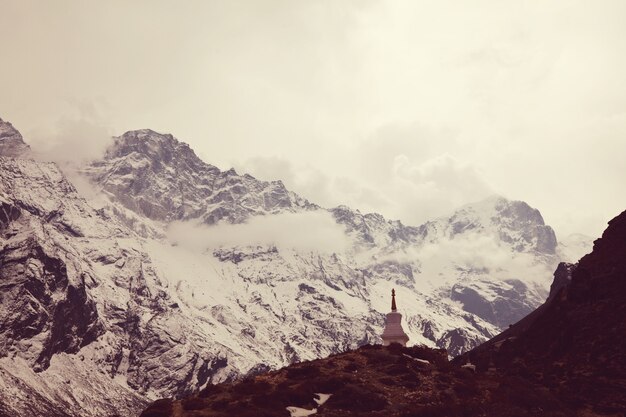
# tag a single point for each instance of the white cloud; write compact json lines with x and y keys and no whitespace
{"x":306,"y":231}
{"x":442,"y":262}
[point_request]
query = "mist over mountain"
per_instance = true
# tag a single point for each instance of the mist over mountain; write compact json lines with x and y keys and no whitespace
{"x":171,"y":274}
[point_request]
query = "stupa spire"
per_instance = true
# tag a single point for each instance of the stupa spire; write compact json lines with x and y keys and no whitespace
{"x":393,"y":332}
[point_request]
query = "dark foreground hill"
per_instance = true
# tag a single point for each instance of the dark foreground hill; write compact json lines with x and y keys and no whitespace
{"x":372,"y":381}
{"x":568,"y":358}
{"x":575,"y":343}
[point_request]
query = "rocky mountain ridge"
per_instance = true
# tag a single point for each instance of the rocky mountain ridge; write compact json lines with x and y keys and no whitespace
{"x":161,"y":178}
{"x":11,"y":142}
{"x":91,"y":286}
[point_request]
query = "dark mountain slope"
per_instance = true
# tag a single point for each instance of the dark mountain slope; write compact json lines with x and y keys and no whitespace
{"x":575,"y":343}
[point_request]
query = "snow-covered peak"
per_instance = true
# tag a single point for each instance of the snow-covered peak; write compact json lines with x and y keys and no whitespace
{"x":161,"y":178}
{"x":11,"y":141}
{"x":156,"y":146}
{"x":487,"y":212}
{"x":512,"y":222}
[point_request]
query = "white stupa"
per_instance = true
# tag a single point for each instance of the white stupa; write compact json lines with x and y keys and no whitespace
{"x":393,"y":332}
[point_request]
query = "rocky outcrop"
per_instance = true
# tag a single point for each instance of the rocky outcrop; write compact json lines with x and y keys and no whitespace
{"x":512,"y":300}
{"x":11,"y":141}
{"x":562,"y":278}
{"x":373,"y":230}
{"x":48,"y":304}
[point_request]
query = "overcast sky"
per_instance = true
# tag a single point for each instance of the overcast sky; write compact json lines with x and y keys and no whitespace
{"x":408,"y":108}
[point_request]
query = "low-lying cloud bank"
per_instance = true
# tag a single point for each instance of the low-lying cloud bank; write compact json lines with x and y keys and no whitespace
{"x":441,"y":263}
{"x":308,"y":231}
{"x":477,"y":252}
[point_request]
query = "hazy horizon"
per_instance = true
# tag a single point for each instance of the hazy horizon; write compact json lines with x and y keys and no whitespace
{"x":404,"y":108}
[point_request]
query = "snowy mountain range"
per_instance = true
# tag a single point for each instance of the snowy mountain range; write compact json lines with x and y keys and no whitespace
{"x":173,"y":274}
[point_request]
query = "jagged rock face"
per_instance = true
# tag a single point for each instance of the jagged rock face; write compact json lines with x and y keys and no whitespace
{"x":511,"y":301}
{"x":373,"y":230}
{"x":11,"y":141}
{"x":45,"y":304}
{"x":535,"y":234}
{"x":163,"y":179}
{"x":562,"y":277}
